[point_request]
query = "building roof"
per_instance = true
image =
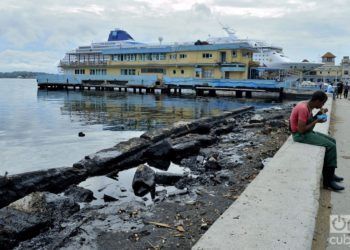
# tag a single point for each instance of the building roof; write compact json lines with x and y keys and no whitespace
{"x":328,"y":55}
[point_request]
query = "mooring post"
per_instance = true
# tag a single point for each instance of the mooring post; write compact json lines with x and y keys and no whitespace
{"x":239,"y":93}
{"x":280,"y":94}
{"x":212,"y":92}
{"x":248,"y":94}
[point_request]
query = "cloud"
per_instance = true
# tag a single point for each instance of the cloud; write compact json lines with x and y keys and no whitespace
{"x":305,"y":29}
{"x":17,"y":60}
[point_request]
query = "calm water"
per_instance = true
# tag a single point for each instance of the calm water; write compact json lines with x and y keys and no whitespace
{"x":39,"y":129}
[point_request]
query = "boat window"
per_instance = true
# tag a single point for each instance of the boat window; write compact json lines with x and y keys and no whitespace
{"x":246,"y":54}
{"x":207,"y":55}
{"x":153,"y":70}
{"x":127,"y":71}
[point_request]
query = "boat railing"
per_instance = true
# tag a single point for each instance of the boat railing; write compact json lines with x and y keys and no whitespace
{"x":84,"y":63}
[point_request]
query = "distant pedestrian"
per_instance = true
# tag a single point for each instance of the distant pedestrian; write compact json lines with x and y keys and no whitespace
{"x":302,"y":123}
{"x":335,"y":91}
{"x":346,"y":90}
{"x":340,"y":87}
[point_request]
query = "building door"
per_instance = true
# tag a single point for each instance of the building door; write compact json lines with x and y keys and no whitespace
{"x":223,"y":57}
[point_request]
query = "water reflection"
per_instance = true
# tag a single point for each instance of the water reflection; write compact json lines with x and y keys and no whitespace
{"x":126,"y":111}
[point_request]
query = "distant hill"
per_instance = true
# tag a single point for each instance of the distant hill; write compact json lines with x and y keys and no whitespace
{"x":21,"y":74}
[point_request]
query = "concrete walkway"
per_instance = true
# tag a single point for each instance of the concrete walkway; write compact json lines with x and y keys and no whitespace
{"x":341,"y":201}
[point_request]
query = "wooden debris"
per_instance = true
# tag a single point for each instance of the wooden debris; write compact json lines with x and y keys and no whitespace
{"x":159,"y":224}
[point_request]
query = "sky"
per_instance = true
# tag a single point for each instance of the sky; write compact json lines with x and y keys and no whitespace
{"x":35,"y":34}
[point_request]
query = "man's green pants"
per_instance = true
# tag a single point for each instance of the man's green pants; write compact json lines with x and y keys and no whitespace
{"x":319,"y":139}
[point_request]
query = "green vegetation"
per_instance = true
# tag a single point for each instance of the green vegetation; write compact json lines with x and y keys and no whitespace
{"x":21,"y":74}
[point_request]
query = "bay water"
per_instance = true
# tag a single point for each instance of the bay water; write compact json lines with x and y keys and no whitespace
{"x":39,"y":128}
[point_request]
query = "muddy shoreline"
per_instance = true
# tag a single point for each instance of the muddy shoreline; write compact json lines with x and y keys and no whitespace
{"x":105,"y":213}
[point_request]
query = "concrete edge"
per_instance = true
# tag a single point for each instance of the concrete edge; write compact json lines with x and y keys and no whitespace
{"x":278,"y":209}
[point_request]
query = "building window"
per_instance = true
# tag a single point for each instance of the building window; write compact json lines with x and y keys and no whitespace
{"x":346,"y":72}
{"x":234,"y":53}
{"x":207,"y":55}
{"x":182,"y":56}
{"x":174,"y":71}
{"x":92,"y":72}
{"x":172,"y":56}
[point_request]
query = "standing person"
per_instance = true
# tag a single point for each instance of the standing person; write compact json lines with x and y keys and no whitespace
{"x":335,"y":91}
{"x":302,"y":124}
{"x":340,"y":87}
{"x":346,"y":90}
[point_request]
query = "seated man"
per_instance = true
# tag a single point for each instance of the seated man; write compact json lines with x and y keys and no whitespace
{"x":302,"y":123}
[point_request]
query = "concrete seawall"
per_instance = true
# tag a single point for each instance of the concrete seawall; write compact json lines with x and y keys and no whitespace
{"x":278,"y":209}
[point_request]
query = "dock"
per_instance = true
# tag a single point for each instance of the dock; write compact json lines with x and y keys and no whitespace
{"x":166,"y":85}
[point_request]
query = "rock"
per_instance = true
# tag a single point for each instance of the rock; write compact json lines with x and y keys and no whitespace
{"x":158,"y":150}
{"x":168,"y":179}
{"x":81,"y":134}
{"x":212,"y":164}
{"x":177,"y":192}
{"x":277,"y":117}
{"x":18,"y":226}
{"x":144,"y":181}
{"x":108,"y":198}
{"x":257,"y":119}
{"x":224,"y":174}
{"x":3,"y":181}
{"x":231,"y":121}
{"x":253,"y":125}
{"x":203,"y":128}
{"x":123,"y":189}
{"x":184,"y":149}
{"x":184,"y":182}
{"x":223,"y":129}
{"x":206,"y":140}
{"x":162,"y":164}
{"x":48,"y":204}
{"x":80,"y":194}
{"x":200,"y":159}
{"x":276,"y":123}
{"x":53,"y":180}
